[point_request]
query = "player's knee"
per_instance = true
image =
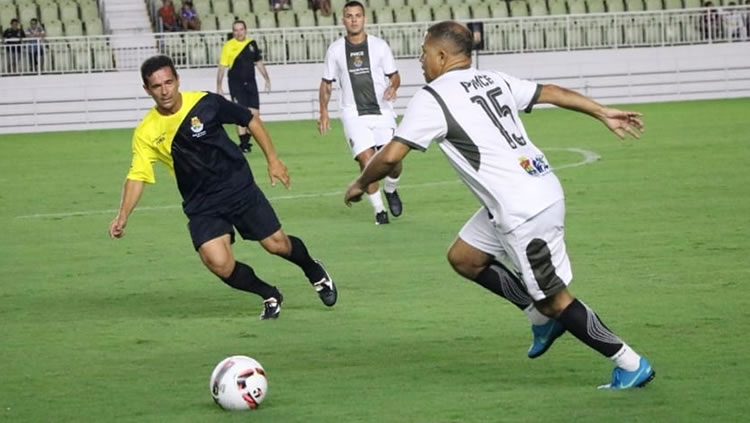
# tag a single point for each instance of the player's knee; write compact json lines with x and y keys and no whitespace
{"x":278,"y":244}
{"x":459,"y":264}
{"x":220,"y":266}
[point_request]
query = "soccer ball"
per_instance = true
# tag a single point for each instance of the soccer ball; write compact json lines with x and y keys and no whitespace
{"x":238,"y":383}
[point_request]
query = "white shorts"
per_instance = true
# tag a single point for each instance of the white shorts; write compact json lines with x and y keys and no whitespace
{"x":536,"y":248}
{"x":368,"y":131}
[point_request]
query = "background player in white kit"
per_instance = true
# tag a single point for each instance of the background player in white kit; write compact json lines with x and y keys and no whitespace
{"x":364,"y":67}
{"x":473,"y":116}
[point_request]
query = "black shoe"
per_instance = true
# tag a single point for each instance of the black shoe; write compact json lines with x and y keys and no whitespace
{"x":246,"y":148}
{"x":381,"y":218}
{"x":326,"y":288}
{"x":271,"y":308}
{"x":394,"y":203}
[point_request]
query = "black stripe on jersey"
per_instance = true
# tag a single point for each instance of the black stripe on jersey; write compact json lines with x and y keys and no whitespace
{"x":456,"y":135}
{"x":360,"y":75}
{"x":534,"y":99}
{"x":410,"y":144}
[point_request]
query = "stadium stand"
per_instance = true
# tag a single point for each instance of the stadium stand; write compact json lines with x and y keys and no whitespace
{"x":300,"y":35}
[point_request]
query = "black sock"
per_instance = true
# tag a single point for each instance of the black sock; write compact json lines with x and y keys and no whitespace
{"x":243,"y":278}
{"x":501,"y":281}
{"x":585,"y":325}
{"x":301,"y":258}
{"x":245,"y":140}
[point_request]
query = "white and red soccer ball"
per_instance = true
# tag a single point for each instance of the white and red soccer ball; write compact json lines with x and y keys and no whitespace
{"x":238,"y":383}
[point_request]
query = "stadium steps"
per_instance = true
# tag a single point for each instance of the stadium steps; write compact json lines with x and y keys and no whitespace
{"x":130,"y":26}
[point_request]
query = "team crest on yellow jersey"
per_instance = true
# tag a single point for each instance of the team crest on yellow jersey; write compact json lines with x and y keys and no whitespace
{"x":195,"y":124}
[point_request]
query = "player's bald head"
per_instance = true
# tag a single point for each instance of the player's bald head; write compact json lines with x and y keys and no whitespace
{"x":452,"y":36}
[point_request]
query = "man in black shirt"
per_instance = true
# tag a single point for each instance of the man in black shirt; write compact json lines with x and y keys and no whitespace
{"x":12,"y":37}
{"x":185,"y":132}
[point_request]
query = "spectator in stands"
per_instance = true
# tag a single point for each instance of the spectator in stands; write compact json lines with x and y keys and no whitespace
{"x":324,"y":6}
{"x":34,"y":36}
{"x":189,"y":17}
{"x":710,"y":24}
{"x":734,"y":23}
{"x":12,"y":38}
{"x":168,"y":17}
{"x":280,"y":4}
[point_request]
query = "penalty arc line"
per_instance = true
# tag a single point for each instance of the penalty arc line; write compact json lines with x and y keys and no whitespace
{"x":588,"y":158}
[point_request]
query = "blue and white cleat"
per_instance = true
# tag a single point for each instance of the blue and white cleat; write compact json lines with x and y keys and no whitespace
{"x":544,"y":336}
{"x":623,"y":379}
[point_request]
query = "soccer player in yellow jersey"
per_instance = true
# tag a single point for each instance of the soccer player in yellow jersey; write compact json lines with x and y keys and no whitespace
{"x":184,"y":131}
{"x":241,"y":55}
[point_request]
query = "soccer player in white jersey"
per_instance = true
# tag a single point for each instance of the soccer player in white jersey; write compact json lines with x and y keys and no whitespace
{"x":364,"y":68}
{"x":473,"y":117}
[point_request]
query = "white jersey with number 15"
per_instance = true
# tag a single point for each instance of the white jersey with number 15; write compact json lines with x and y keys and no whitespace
{"x":473,"y":116}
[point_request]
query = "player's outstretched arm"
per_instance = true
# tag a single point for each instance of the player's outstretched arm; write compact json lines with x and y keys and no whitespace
{"x":324,"y":96}
{"x":131,"y":193}
{"x":276,"y":168}
{"x":621,"y":122}
{"x":381,"y":164}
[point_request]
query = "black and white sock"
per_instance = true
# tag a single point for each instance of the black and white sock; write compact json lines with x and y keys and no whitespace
{"x":501,"y":281}
{"x":585,"y":325}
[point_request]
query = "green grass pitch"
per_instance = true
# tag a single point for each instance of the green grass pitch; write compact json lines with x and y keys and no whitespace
{"x":95,"y":330}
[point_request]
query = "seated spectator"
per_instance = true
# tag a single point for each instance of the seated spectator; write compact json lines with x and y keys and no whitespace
{"x":323,"y":7}
{"x":734,"y":23}
{"x":168,"y":17}
{"x":710,"y":24}
{"x":189,"y":17}
{"x":280,"y":4}
{"x":12,"y":38}
{"x":34,"y":36}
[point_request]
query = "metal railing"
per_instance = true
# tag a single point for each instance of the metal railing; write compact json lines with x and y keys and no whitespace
{"x":308,"y":44}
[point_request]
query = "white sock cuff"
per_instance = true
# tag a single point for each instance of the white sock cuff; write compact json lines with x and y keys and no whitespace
{"x":389,"y":184}
{"x":376,"y":201}
{"x":627,"y":358}
{"x":535,"y":316}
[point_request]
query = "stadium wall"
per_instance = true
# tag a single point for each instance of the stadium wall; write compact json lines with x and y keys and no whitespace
{"x":616,"y":76}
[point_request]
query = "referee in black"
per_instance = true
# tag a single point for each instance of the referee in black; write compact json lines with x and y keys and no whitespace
{"x":240,"y":55}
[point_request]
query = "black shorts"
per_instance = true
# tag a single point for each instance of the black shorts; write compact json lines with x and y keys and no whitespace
{"x":254,"y":219}
{"x":245,"y":94}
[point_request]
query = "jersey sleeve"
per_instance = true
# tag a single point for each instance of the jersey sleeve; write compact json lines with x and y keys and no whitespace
{"x":389,"y":64}
{"x":258,"y":54}
{"x":329,"y":70}
{"x":524,"y":92}
{"x":423,"y":122}
{"x":144,"y":157}
{"x":224,"y":59}
{"x":229,"y":112}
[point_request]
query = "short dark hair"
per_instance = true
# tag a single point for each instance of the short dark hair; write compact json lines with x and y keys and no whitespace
{"x":354,"y":3}
{"x":153,"y":64}
{"x":455,"y":33}
{"x":239,"y":21}
{"x":34,"y":20}
{"x":13,"y":21}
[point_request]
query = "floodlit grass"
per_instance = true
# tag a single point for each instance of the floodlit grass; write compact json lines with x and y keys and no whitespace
{"x":128,"y":331}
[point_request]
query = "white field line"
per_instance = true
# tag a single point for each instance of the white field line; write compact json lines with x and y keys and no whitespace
{"x":588,"y":158}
